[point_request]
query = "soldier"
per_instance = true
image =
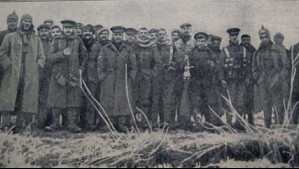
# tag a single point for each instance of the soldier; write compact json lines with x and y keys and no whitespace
{"x":149,"y":64}
{"x":90,"y":75}
{"x":44,"y":77}
{"x":215,"y":44}
{"x":103,"y":36}
{"x":182,"y":49}
{"x":131,"y":36}
{"x":204,"y":96}
{"x":175,"y":35}
{"x":21,"y":59}
{"x":270,"y":68}
{"x":49,"y":23}
{"x":117,"y":70}
{"x":78,"y":30}
{"x":153,"y":34}
{"x":294,"y":53}
{"x":163,"y":87}
{"x":234,"y":74}
{"x":12,"y":26}
{"x":249,"y":96}
{"x":68,"y":59}
{"x":278,"y":39}
{"x":96,"y":30}
{"x":55,"y":31}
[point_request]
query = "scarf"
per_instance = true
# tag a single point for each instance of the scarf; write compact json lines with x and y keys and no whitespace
{"x":145,"y":43}
{"x":104,"y":42}
{"x":25,"y":35}
{"x":89,"y":43}
{"x":164,"y":42}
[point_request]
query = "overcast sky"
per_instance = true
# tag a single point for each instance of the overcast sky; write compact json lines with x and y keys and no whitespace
{"x":211,"y":16}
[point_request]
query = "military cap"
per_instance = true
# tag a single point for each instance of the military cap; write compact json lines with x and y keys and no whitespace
{"x":49,"y":21}
{"x":27,"y":16}
{"x":131,"y":31}
{"x":13,"y":16}
{"x":264,"y":31}
{"x":216,"y":38}
{"x":176,"y":30}
{"x":153,"y":30}
{"x":118,"y":29}
{"x":102,"y":30}
{"x":201,"y":35}
{"x":79,"y":25}
{"x":68,"y":23}
{"x":89,"y":27}
{"x":98,"y":27}
{"x":245,"y":36}
{"x":185,"y":24}
{"x":55,"y":26}
{"x":43,"y":26}
{"x":278,"y":35}
{"x":233,"y":31}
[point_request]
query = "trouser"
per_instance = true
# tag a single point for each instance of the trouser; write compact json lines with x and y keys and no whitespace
{"x":157,"y":101}
{"x":44,"y":113}
{"x":204,"y":100}
{"x":121,"y":122}
{"x":143,"y":93}
{"x":272,"y":99}
{"x":236,"y":91}
{"x":295,"y":100}
{"x":72,"y":114}
{"x":168,"y":98}
{"x":88,"y":112}
{"x":5,"y":119}
{"x":249,"y":103}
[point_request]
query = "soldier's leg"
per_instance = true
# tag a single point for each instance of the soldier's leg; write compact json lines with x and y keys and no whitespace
{"x":168,"y":103}
{"x":72,"y":114}
{"x":56,"y":112}
{"x":157,"y":96}
{"x":266,"y":103}
{"x":227,"y":93}
{"x":90,"y":114}
{"x":295,"y":106}
{"x":249,"y":100}
{"x":5,"y":122}
{"x":277,"y":97}
{"x":145,"y":103}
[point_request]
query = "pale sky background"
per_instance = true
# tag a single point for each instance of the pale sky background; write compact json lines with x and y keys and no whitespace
{"x":211,"y":16}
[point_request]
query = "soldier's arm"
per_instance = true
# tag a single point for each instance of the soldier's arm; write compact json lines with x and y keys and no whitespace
{"x":4,"y":53}
{"x":41,"y":59}
{"x":83,"y":55}
{"x":158,"y":65}
{"x":221,"y":67}
{"x":255,"y":68}
{"x":56,"y":53}
{"x":132,"y":65}
{"x":102,"y":64}
{"x":286,"y":64}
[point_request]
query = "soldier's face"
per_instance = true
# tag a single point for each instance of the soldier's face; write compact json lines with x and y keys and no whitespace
{"x":175,"y":36}
{"x":202,"y":42}
{"x":118,"y":37}
{"x":43,"y":33}
{"x":131,"y":37}
{"x":279,"y":40}
{"x":216,"y":43}
{"x":78,"y":31}
{"x":55,"y":32}
{"x":186,"y":30}
{"x":246,"y":41}
{"x":154,"y":37}
{"x":162,"y":35}
{"x":142,"y":34}
{"x":12,"y":24}
{"x":104,"y":35}
{"x":68,"y":30}
{"x":49,"y":24}
{"x":87,"y":34}
{"x":265,"y":39}
{"x":234,"y":38}
{"x":27,"y":24}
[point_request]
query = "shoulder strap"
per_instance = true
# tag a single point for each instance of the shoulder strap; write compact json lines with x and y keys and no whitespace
{"x":171,"y":52}
{"x":244,"y":53}
{"x":226,"y":52}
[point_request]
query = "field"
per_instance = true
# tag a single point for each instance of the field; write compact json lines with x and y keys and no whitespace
{"x":163,"y":149}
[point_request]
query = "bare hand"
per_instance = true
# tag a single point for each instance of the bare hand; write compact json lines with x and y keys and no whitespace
{"x":67,"y":51}
{"x":224,"y":83}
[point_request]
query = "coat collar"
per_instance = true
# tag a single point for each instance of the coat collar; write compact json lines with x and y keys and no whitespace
{"x":113,"y":47}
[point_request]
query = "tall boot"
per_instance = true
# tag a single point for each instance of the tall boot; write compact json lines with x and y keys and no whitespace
{"x":72,"y":119}
{"x":56,"y":120}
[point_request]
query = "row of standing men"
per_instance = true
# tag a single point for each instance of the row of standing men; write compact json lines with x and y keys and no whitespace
{"x":168,"y":81}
